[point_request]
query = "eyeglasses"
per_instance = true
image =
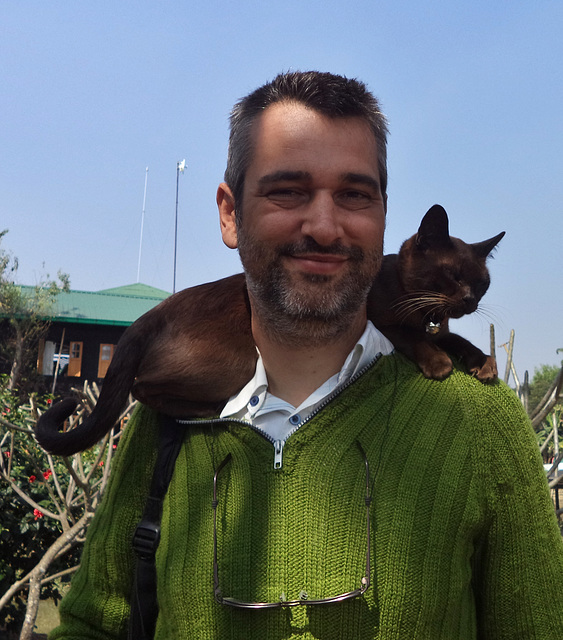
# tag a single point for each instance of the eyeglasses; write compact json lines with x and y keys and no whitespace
{"x":303,"y":600}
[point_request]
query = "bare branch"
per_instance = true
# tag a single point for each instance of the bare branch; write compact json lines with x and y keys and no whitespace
{"x":66,"y":539}
{"x":60,"y":574}
{"x":56,"y":479}
{"x":14,"y":427}
{"x":30,"y":501}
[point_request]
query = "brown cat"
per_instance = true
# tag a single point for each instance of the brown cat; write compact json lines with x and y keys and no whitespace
{"x":433,"y":278}
{"x":193,"y":351}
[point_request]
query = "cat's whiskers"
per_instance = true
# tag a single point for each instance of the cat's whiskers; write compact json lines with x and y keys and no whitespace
{"x":429,"y":301}
{"x":486,"y":312}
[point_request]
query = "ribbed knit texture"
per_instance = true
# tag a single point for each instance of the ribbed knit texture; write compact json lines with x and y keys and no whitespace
{"x":464,"y":540}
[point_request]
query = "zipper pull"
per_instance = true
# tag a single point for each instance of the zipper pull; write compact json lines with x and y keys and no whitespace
{"x":278,"y":448}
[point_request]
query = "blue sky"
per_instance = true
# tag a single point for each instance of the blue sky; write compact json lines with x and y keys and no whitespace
{"x":94,"y":92}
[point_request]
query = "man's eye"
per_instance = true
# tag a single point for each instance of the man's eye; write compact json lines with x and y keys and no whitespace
{"x":355,"y":198}
{"x":285,"y":196}
{"x":282,"y":193}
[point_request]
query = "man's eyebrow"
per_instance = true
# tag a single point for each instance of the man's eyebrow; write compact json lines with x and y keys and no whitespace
{"x":283,"y":176}
{"x":362,"y":178}
{"x":302,"y":176}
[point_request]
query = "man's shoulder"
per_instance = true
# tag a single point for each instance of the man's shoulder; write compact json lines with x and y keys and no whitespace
{"x":459,"y":387}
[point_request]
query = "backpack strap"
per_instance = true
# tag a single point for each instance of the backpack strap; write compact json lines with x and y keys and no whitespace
{"x":144,"y":605}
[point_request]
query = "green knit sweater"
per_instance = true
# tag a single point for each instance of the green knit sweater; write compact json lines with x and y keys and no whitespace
{"x":464,"y":539}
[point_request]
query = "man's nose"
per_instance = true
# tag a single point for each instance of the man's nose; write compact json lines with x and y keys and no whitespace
{"x":322,"y":220}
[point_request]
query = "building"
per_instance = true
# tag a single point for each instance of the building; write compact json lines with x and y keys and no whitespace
{"x":86,"y":327}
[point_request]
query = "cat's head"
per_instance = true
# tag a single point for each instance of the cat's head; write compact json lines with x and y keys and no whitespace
{"x":443,"y":276}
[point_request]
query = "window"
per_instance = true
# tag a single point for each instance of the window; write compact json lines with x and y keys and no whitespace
{"x":74,"y":359}
{"x":106,"y":354}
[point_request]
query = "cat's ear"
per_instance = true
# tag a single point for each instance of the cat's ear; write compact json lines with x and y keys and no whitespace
{"x":433,"y":232}
{"x":227,"y":216}
{"x":483,"y":249}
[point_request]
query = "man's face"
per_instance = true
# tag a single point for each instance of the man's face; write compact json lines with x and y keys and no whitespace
{"x":313,"y":216}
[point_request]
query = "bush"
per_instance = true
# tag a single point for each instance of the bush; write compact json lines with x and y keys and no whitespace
{"x":45,"y":506}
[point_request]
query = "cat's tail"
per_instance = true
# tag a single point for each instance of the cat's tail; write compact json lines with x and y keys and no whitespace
{"x":112,"y":401}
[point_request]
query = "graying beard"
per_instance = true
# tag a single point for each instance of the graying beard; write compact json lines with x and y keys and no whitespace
{"x":295,"y":322}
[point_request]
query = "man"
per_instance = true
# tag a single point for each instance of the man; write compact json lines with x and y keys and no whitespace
{"x":340,"y":494}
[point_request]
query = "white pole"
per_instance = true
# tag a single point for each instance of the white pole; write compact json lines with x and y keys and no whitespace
{"x":180,"y":166}
{"x":142,"y":225}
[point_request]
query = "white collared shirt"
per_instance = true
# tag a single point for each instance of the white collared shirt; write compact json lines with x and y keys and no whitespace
{"x":278,"y":419}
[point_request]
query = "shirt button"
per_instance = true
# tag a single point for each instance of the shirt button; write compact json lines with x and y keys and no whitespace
{"x":295,"y":419}
{"x":254,"y":401}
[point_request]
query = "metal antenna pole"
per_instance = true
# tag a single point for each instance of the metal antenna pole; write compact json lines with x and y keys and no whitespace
{"x":176,"y":226}
{"x":180,"y":166}
{"x":142,"y":225}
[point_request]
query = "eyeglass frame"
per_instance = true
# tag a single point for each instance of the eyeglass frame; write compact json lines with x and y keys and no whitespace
{"x":233,"y":602}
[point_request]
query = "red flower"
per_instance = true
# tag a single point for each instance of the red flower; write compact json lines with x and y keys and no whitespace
{"x":32,"y":478}
{"x":7,"y":454}
{"x":49,"y":401}
{"x":101,"y":463}
{"x":47,"y":474}
{"x":38,"y":514}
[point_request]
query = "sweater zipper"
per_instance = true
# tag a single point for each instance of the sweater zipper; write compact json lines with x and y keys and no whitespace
{"x":278,"y":450}
{"x":279,"y":444}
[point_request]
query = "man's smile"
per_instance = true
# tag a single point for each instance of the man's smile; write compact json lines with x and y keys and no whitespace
{"x":319,"y":263}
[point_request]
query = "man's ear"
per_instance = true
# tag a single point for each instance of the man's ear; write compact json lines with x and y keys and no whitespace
{"x":226,"y":205}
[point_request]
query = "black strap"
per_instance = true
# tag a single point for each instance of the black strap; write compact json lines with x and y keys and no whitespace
{"x":144,"y":606}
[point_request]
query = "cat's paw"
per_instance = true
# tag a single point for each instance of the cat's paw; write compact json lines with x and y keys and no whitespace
{"x":438,"y":367}
{"x":487,"y":372}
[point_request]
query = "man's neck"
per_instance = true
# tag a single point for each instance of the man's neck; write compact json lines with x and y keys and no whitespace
{"x":294,"y":372}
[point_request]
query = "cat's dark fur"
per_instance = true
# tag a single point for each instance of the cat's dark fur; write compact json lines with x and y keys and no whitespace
{"x":433,"y":278}
{"x":193,"y":351}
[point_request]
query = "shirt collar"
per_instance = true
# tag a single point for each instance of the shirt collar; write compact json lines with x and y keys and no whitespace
{"x":253,"y":396}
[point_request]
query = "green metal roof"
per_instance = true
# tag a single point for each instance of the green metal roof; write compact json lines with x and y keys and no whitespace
{"x":138,"y":290}
{"x":117,"y":306}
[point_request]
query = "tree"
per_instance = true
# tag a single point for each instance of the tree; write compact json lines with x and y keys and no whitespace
{"x":26,"y":311}
{"x":544,"y":376}
{"x":46,"y":505}
{"x":546,"y":412}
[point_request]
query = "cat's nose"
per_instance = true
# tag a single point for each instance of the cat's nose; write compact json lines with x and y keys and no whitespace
{"x":469,"y":302}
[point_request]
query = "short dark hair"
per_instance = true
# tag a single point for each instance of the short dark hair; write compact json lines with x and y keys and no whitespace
{"x":331,"y":95}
